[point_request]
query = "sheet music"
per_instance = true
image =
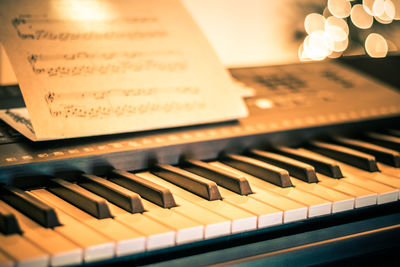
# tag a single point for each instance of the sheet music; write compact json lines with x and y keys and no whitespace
{"x":101,"y":67}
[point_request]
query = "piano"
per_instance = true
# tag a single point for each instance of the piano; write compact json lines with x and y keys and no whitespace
{"x":311,"y":177}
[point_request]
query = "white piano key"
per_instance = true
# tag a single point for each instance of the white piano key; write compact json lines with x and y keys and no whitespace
{"x":267,"y":215}
{"x":292,"y":210}
{"x":241,"y":220}
{"x":362,"y":197}
{"x":96,"y":246}
{"x":61,"y":250}
{"x":5,"y":261}
{"x":386,"y":187}
{"x":186,"y":230}
{"x":340,"y":201}
{"x":316,"y":206}
{"x":157,"y":235}
{"x":376,"y":176}
{"x":389,"y":170}
{"x":126,"y":240}
{"x":214,"y":224}
{"x":22,"y":251}
{"x":385,"y":194}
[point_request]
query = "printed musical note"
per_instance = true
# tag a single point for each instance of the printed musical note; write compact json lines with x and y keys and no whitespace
{"x":19,"y":119}
{"x":85,"y":63}
{"x":33,"y":27}
{"x":149,"y":108}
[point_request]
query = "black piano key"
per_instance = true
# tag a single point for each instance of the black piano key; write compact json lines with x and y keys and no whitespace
{"x":326,"y":167}
{"x":80,"y":197}
{"x":388,"y":141}
{"x":295,"y":168}
{"x":384,"y":155}
{"x":355,"y":158}
{"x":153,"y":192}
{"x":262,"y":170}
{"x":8,"y":223}
{"x":394,"y":132}
{"x":114,"y":193}
{"x":30,"y":206}
{"x":231,"y":181}
{"x":187,"y":180}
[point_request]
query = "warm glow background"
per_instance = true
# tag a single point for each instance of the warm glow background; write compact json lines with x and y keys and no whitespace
{"x":249,"y":32}
{"x":253,"y":32}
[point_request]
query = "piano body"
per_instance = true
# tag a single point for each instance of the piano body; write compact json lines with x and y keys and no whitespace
{"x":310,"y":177}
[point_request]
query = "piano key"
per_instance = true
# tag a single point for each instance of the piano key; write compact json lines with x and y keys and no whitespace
{"x":187,"y":180}
{"x":315,"y":206}
{"x":6,"y":261}
{"x":126,"y":240}
{"x":223,"y":178}
{"x":388,"y":180}
{"x":371,"y":181}
{"x":391,"y":142}
{"x":145,"y":188}
{"x":214,"y":224}
{"x":295,"y":168}
{"x":157,"y":235}
{"x":340,"y":201}
{"x":22,"y":251}
{"x":363,"y":197}
{"x":266,"y":214}
{"x":376,"y":176}
{"x":269,"y":173}
{"x":32,"y":207}
{"x":385,"y":194}
{"x":292,"y":211}
{"x":394,"y":132}
{"x":114,"y":193}
{"x":95,"y":245}
{"x":241,"y":220}
{"x":61,"y":250}
{"x":80,"y":197}
{"x":186,"y":229}
{"x":389,"y":170}
{"x":344,"y":154}
{"x":384,"y":155}
{"x":324,"y":166}
{"x":8,"y":222}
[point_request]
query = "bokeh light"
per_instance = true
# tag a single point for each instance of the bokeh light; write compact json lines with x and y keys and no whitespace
{"x":376,"y":45}
{"x":360,"y":18}
{"x":378,"y":7}
{"x":396,"y":4}
{"x":339,"y":8}
{"x":314,"y":22}
{"x":337,"y":29}
{"x":328,"y":33}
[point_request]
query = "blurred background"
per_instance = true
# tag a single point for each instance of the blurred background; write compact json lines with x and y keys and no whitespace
{"x":259,"y":32}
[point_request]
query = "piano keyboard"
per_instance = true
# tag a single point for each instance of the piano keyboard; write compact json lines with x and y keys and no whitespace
{"x":87,"y":218}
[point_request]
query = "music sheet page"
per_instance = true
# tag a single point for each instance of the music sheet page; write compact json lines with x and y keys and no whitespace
{"x":101,"y":67}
